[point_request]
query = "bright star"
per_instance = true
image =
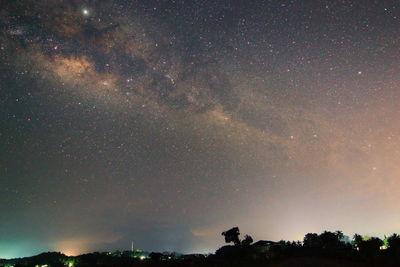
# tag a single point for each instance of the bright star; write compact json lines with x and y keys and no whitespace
{"x":85,"y":12}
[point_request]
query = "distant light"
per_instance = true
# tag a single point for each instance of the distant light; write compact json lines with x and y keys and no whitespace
{"x":86,"y":12}
{"x":142,"y":257}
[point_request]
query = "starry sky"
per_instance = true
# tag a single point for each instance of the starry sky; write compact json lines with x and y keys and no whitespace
{"x":166,"y":122}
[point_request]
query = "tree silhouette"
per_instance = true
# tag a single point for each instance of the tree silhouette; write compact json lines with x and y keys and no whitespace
{"x":331,"y":240}
{"x":311,"y":240}
{"x":367,"y":245}
{"x":326,"y":240}
{"x":394,"y":242}
{"x":247,"y":241}
{"x":232,"y":235}
{"x":373,"y":244}
{"x":357,"y":240}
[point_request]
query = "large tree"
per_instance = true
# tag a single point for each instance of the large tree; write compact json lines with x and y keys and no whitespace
{"x":232,"y":235}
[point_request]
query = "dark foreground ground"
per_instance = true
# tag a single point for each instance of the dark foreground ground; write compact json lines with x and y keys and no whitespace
{"x":213,"y":262}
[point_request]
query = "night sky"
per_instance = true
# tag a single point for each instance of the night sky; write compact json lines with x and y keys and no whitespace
{"x":167,"y":122}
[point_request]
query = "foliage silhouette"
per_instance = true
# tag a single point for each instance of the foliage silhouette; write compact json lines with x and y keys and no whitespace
{"x":324,"y":249}
{"x":394,"y":242}
{"x":367,"y":245}
{"x":232,"y":235}
{"x":247,"y":241}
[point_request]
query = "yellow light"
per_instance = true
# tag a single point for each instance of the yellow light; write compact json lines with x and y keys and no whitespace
{"x":85,"y":12}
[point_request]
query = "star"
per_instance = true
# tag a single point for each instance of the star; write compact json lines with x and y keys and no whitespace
{"x":86,"y":12}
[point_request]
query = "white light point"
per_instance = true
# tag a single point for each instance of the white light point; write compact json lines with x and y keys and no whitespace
{"x":85,"y":12}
